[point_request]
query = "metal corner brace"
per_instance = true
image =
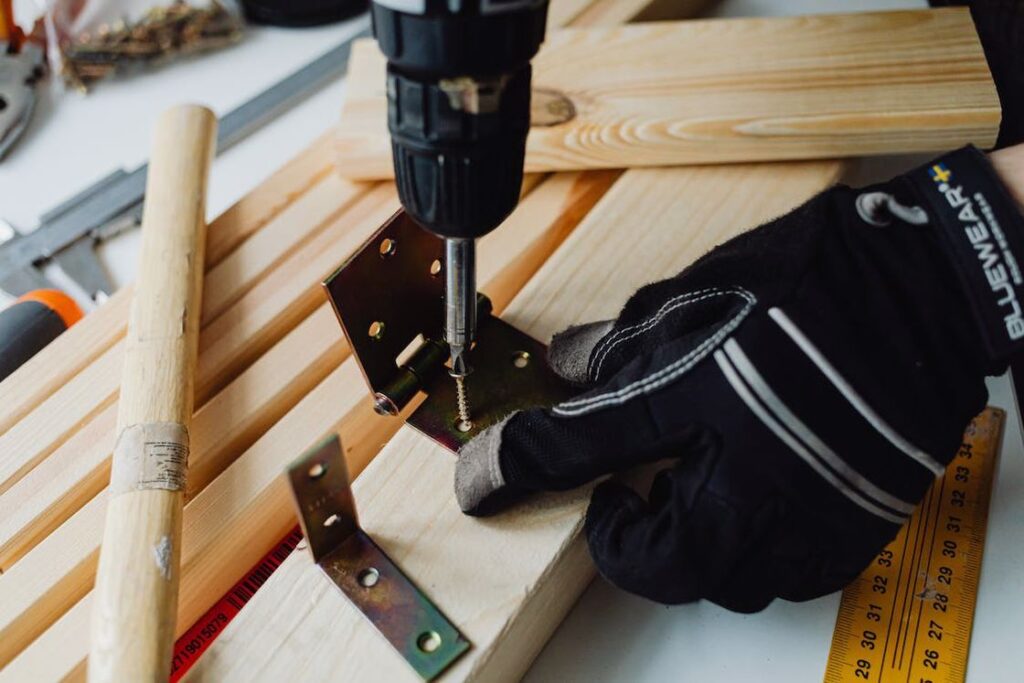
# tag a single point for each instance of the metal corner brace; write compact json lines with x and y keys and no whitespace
{"x":365,"y":574}
{"x":389,"y":299}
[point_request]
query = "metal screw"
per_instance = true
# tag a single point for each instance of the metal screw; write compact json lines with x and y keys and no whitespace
{"x":465,"y":423}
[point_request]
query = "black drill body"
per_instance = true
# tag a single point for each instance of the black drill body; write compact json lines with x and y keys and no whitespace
{"x":458,"y":85}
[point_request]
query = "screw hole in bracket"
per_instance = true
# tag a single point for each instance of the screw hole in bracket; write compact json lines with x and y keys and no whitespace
{"x":317,"y":470}
{"x":376,"y":330}
{"x":429,"y":642}
{"x":435,"y":268}
{"x":332,"y":520}
{"x":521,"y":359}
{"x":368,"y":578}
{"x":388,"y":247}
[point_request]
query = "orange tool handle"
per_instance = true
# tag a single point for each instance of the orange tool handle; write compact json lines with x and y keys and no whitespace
{"x":32,"y":322}
{"x":9,"y":32}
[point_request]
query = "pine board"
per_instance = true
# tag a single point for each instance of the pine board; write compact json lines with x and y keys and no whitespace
{"x":27,"y":387}
{"x":82,"y":394}
{"x":732,"y":90}
{"x":56,"y":460}
{"x":239,"y":515}
{"x":506,"y":581}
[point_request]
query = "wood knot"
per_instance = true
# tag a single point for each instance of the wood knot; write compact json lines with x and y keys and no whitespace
{"x":550,"y":108}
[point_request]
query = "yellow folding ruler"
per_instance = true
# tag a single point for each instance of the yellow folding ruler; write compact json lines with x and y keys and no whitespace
{"x":908,"y":617}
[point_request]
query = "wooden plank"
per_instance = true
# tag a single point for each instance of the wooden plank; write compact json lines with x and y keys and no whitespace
{"x":82,"y":395}
{"x":53,"y":421}
{"x":239,"y":516}
{"x":56,"y":488}
{"x":41,"y":376}
{"x":505,"y":581}
{"x":255,"y":211}
{"x":293,"y":226}
{"x":286,"y":295}
{"x":610,"y":12}
{"x":301,"y":187}
{"x":615,"y":12}
{"x":40,"y":437}
{"x":714,"y":91}
{"x":224,"y":427}
{"x":59,"y":570}
{"x":66,"y":356}
{"x":278,"y":216}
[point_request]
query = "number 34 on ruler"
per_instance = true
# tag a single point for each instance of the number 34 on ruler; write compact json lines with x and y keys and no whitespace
{"x":908,"y":617}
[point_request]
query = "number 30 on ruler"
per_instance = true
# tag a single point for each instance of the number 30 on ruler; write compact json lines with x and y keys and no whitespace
{"x":908,"y":617}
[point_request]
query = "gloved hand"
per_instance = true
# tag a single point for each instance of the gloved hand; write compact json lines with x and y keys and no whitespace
{"x":810,"y":379}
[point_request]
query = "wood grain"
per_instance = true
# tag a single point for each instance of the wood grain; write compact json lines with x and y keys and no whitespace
{"x":81,"y":390}
{"x":45,"y":503}
{"x":60,"y":569}
{"x":72,"y":351}
{"x":507,"y":581}
{"x":735,"y":90}
{"x":241,"y":513}
{"x":249,"y":323}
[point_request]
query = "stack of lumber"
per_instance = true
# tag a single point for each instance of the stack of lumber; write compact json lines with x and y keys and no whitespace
{"x":275,"y":375}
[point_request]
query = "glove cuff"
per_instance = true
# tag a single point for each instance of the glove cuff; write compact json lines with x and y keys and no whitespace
{"x":982,"y":232}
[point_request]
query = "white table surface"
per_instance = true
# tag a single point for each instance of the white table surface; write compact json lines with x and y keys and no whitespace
{"x":609,"y":636}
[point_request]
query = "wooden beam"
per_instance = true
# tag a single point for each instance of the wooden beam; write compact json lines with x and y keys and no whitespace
{"x":41,"y":376}
{"x":239,"y":229}
{"x":506,"y":581}
{"x":59,"y":570}
{"x":735,"y":90}
{"x":615,"y":12}
{"x":83,"y":394}
{"x":224,"y":427}
{"x":240,"y":514}
{"x":286,"y":295}
{"x":261,"y":232}
{"x":257,"y":234}
{"x":610,"y":12}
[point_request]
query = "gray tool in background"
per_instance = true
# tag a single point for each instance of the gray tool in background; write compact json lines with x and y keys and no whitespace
{"x":68,"y":234}
{"x":19,"y":73}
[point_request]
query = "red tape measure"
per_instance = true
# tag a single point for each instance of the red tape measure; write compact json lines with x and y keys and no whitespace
{"x":195,"y":641}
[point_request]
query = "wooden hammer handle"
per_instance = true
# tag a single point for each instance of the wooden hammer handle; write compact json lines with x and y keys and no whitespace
{"x":136,"y":595}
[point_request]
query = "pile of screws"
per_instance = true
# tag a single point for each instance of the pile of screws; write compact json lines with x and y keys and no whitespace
{"x":163,"y":32}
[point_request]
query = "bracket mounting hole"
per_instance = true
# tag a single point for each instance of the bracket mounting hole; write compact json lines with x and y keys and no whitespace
{"x":368,"y":578}
{"x":435,"y":268}
{"x":376,"y":330}
{"x":429,"y":641}
{"x":521,"y":359}
{"x":332,"y":520}
{"x":317,"y":470}
{"x":388,"y":247}
{"x":464,"y":426}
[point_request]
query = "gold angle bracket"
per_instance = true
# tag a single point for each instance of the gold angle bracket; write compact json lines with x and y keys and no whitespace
{"x":406,"y":617}
{"x":389,"y":298}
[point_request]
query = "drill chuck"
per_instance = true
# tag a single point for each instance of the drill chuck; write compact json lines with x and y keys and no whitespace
{"x":458,"y":89}
{"x":458,"y":85}
{"x":459,"y":173}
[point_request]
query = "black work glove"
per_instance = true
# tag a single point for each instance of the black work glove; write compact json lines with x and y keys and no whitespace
{"x":810,"y":378}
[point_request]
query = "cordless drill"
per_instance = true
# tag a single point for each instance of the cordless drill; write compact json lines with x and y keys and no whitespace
{"x":458,"y":84}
